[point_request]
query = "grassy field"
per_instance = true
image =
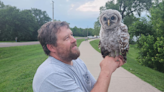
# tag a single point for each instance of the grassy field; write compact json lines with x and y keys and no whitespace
{"x":18,"y":65}
{"x":149,"y":75}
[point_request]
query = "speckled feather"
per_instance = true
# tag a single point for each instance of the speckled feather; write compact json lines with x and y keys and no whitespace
{"x":114,"y":39}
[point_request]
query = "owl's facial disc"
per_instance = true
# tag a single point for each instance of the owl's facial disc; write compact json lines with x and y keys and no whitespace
{"x":107,"y":20}
{"x":110,"y":21}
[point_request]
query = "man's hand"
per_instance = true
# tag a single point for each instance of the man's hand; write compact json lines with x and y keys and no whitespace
{"x":110,"y":64}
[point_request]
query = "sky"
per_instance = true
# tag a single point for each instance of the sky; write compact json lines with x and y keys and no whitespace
{"x":80,"y":13}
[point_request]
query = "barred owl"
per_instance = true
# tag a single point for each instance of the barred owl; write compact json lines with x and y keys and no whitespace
{"x":114,"y":36}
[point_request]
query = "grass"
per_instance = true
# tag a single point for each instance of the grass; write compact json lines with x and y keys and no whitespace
{"x":18,"y":65}
{"x":79,"y":41}
{"x":149,"y":75}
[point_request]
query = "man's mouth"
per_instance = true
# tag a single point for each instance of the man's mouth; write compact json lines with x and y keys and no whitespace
{"x":74,"y":46}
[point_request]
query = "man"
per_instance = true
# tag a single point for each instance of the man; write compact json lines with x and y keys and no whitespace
{"x":63,"y":71}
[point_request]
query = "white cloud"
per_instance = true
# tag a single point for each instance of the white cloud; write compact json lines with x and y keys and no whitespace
{"x":72,"y":6}
{"x":67,"y":0}
{"x":92,"y":5}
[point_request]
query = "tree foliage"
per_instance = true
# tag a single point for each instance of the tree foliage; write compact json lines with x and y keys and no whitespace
{"x":1,"y":5}
{"x":142,"y":26}
{"x":97,"y":28}
{"x":152,"y":45}
{"x":16,"y":23}
{"x":128,"y":7}
{"x":41,"y":17}
{"x":22,"y":24}
{"x":83,"y":32}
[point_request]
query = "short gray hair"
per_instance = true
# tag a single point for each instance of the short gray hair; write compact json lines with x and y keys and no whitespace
{"x":47,"y":34}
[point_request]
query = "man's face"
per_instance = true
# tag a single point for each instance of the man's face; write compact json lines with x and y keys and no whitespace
{"x":67,"y":49}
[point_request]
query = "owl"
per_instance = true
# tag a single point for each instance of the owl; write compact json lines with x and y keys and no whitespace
{"x":114,"y":36}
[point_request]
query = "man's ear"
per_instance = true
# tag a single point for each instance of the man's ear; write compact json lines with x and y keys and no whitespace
{"x":51,"y":47}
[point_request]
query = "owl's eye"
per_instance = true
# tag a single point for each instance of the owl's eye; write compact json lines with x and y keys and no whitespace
{"x":112,"y":18}
{"x":105,"y":19}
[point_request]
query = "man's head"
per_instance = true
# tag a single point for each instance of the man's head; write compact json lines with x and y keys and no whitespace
{"x":57,"y":39}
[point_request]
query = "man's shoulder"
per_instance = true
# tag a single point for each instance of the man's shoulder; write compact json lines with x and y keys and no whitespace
{"x":47,"y":69}
{"x":50,"y":65}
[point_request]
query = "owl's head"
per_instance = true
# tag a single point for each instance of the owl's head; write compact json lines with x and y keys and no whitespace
{"x":109,"y":19}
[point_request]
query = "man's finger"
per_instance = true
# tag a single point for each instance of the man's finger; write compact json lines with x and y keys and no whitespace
{"x":121,"y":62}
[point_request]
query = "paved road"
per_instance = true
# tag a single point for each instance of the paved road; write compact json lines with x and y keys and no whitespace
{"x":9,"y":44}
{"x":121,"y":81}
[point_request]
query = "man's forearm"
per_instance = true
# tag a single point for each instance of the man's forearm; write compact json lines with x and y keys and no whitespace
{"x":102,"y":83}
{"x":108,"y":66}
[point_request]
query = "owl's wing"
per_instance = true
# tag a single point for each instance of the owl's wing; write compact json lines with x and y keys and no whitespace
{"x":124,"y":41}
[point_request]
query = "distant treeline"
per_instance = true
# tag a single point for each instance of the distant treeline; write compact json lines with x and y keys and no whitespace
{"x":23,"y":24}
{"x":83,"y":32}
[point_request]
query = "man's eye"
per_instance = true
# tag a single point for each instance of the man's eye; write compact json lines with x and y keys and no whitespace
{"x":67,"y":37}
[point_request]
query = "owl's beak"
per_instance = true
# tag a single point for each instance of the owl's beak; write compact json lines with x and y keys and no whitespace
{"x":108,"y":22}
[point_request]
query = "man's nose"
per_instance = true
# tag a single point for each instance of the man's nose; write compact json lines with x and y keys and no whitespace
{"x":73,"y":39}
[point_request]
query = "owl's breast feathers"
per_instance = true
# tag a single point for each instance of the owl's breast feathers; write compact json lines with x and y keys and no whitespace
{"x":109,"y":42}
{"x":115,"y":41}
{"x":110,"y":38}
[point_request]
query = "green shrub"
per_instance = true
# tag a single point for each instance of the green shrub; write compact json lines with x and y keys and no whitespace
{"x":151,"y":52}
{"x":151,"y":46}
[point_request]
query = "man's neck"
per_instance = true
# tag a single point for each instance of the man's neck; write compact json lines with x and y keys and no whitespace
{"x":64,"y":61}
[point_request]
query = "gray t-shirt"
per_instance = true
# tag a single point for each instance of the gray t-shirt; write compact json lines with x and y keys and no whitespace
{"x":55,"y":76}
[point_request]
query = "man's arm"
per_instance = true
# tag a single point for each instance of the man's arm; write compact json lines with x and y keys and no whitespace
{"x":108,"y":66}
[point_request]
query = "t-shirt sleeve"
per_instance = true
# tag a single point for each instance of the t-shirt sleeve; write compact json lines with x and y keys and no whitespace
{"x":59,"y":82}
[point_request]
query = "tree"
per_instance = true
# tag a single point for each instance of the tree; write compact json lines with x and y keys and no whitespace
{"x":129,"y":20}
{"x":152,"y":45}
{"x":1,"y":5}
{"x":22,"y":24}
{"x":96,"y":28}
{"x":128,"y":7}
{"x":41,"y":17}
{"x":6,"y":21}
{"x":142,"y":26}
{"x":27,"y":26}
{"x":16,"y":23}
